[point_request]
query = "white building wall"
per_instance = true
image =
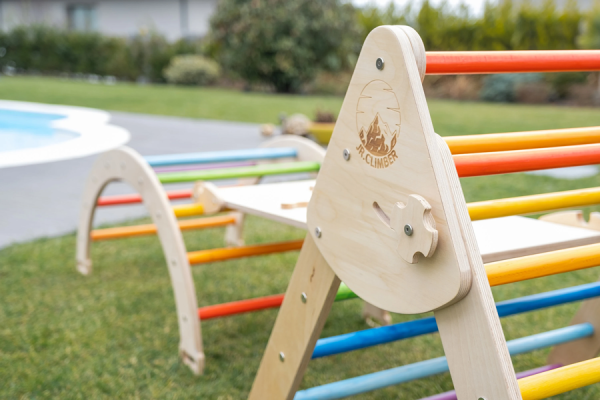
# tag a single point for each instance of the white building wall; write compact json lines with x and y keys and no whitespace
{"x":200,"y":12}
{"x":116,"y":17}
{"x":131,"y":17}
{"x":14,"y":13}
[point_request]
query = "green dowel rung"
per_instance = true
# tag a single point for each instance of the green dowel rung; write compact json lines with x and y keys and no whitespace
{"x":344,"y":293}
{"x":240,"y":172}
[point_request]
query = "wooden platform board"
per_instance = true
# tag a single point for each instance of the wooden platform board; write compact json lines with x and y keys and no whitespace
{"x":498,"y":238}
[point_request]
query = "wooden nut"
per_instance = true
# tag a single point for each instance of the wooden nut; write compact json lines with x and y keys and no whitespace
{"x":415,"y":229}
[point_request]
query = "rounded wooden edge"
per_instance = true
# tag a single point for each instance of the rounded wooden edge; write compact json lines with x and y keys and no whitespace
{"x":124,"y":164}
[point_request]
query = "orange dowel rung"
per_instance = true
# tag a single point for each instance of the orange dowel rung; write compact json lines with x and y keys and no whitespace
{"x":505,"y":162}
{"x":497,"y":62}
{"x":522,"y":140}
{"x":212,"y":255}
{"x":150,"y":229}
{"x":240,"y":307}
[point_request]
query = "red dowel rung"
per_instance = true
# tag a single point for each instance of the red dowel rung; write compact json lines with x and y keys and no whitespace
{"x":136,"y":198}
{"x":505,"y":162}
{"x":240,"y":307}
{"x":497,"y":62}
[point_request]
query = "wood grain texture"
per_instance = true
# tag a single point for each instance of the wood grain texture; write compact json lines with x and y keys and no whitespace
{"x":124,"y":164}
{"x":387,"y":103}
{"x":297,"y":327}
{"x":470,"y":329}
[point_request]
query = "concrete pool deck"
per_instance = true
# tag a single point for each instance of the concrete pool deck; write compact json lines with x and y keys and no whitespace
{"x":43,"y":200}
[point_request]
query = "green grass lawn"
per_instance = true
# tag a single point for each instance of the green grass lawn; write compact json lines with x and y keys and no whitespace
{"x":114,"y":334}
{"x":450,"y":118}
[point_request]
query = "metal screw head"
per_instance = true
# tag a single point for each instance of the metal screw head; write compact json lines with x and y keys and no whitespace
{"x":346,"y":154}
{"x":408,"y":230}
{"x":379,"y":63}
{"x":318,"y":232}
{"x":281,"y":356}
{"x":303,"y":297}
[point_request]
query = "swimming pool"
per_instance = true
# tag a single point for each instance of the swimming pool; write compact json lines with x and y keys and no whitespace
{"x":32,"y":133}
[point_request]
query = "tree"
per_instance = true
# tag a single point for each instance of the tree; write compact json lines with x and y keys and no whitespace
{"x":284,"y":42}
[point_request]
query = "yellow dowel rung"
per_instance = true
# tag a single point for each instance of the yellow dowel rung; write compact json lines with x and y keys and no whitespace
{"x":150,"y":229}
{"x":533,"y":204}
{"x":522,"y":140}
{"x":544,"y":264}
{"x":560,"y":380}
{"x":212,"y":255}
{"x":188,"y":210}
{"x":490,"y":142}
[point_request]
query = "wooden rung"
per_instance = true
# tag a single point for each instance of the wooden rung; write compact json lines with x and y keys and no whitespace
{"x":560,"y":380}
{"x":522,"y":140}
{"x":507,"y":162}
{"x":212,"y":255}
{"x":150,"y":229}
{"x":498,"y":62}
{"x":533,"y":204}
{"x":188,"y":210}
{"x":544,"y":264}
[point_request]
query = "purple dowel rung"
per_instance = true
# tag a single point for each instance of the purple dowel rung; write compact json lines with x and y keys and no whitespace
{"x":451,"y":395}
{"x":196,"y":167}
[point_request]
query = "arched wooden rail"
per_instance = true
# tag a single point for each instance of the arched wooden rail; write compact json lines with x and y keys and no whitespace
{"x":126,"y":165}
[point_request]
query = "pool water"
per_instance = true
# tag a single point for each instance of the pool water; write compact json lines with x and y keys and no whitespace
{"x":25,"y":130}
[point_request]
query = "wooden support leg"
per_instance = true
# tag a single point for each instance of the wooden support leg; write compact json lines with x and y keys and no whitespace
{"x":234,"y":234}
{"x":470,"y":329}
{"x":582,"y":349}
{"x":307,"y":302}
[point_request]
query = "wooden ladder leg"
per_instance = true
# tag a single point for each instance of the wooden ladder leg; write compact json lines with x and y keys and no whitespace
{"x":473,"y":341}
{"x":470,"y":329}
{"x":307,"y":302}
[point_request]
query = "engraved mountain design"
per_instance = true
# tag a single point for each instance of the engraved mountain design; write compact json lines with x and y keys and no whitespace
{"x":376,"y":137}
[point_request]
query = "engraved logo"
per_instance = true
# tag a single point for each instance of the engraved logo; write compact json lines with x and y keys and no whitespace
{"x":378,"y":124}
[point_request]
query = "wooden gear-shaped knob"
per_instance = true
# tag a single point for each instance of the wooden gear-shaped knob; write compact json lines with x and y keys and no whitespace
{"x":415,"y":228}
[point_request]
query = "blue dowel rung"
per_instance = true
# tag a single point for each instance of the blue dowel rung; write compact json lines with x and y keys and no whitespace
{"x":386,"y":334}
{"x":221,"y":156}
{"x":422,"y":369}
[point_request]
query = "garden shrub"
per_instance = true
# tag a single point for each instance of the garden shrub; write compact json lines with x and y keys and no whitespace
{"x":502,"y":87}
{"x":45,"y":49}
{"x":284,"y":42}
{"x":503,"y":25}
{"x":192,"y":70}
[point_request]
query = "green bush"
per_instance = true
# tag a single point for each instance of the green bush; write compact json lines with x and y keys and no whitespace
{"x":192,"y":70}
{"x":51,"y":50}
{"x":502,"y":88}
{"x":284,"y":42}
{"x":502,"y":26}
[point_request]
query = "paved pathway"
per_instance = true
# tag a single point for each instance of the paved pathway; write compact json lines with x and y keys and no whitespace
{"x":43,"y":200}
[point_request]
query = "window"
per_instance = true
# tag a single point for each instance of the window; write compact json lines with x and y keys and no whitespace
{"x":82,"y":17}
